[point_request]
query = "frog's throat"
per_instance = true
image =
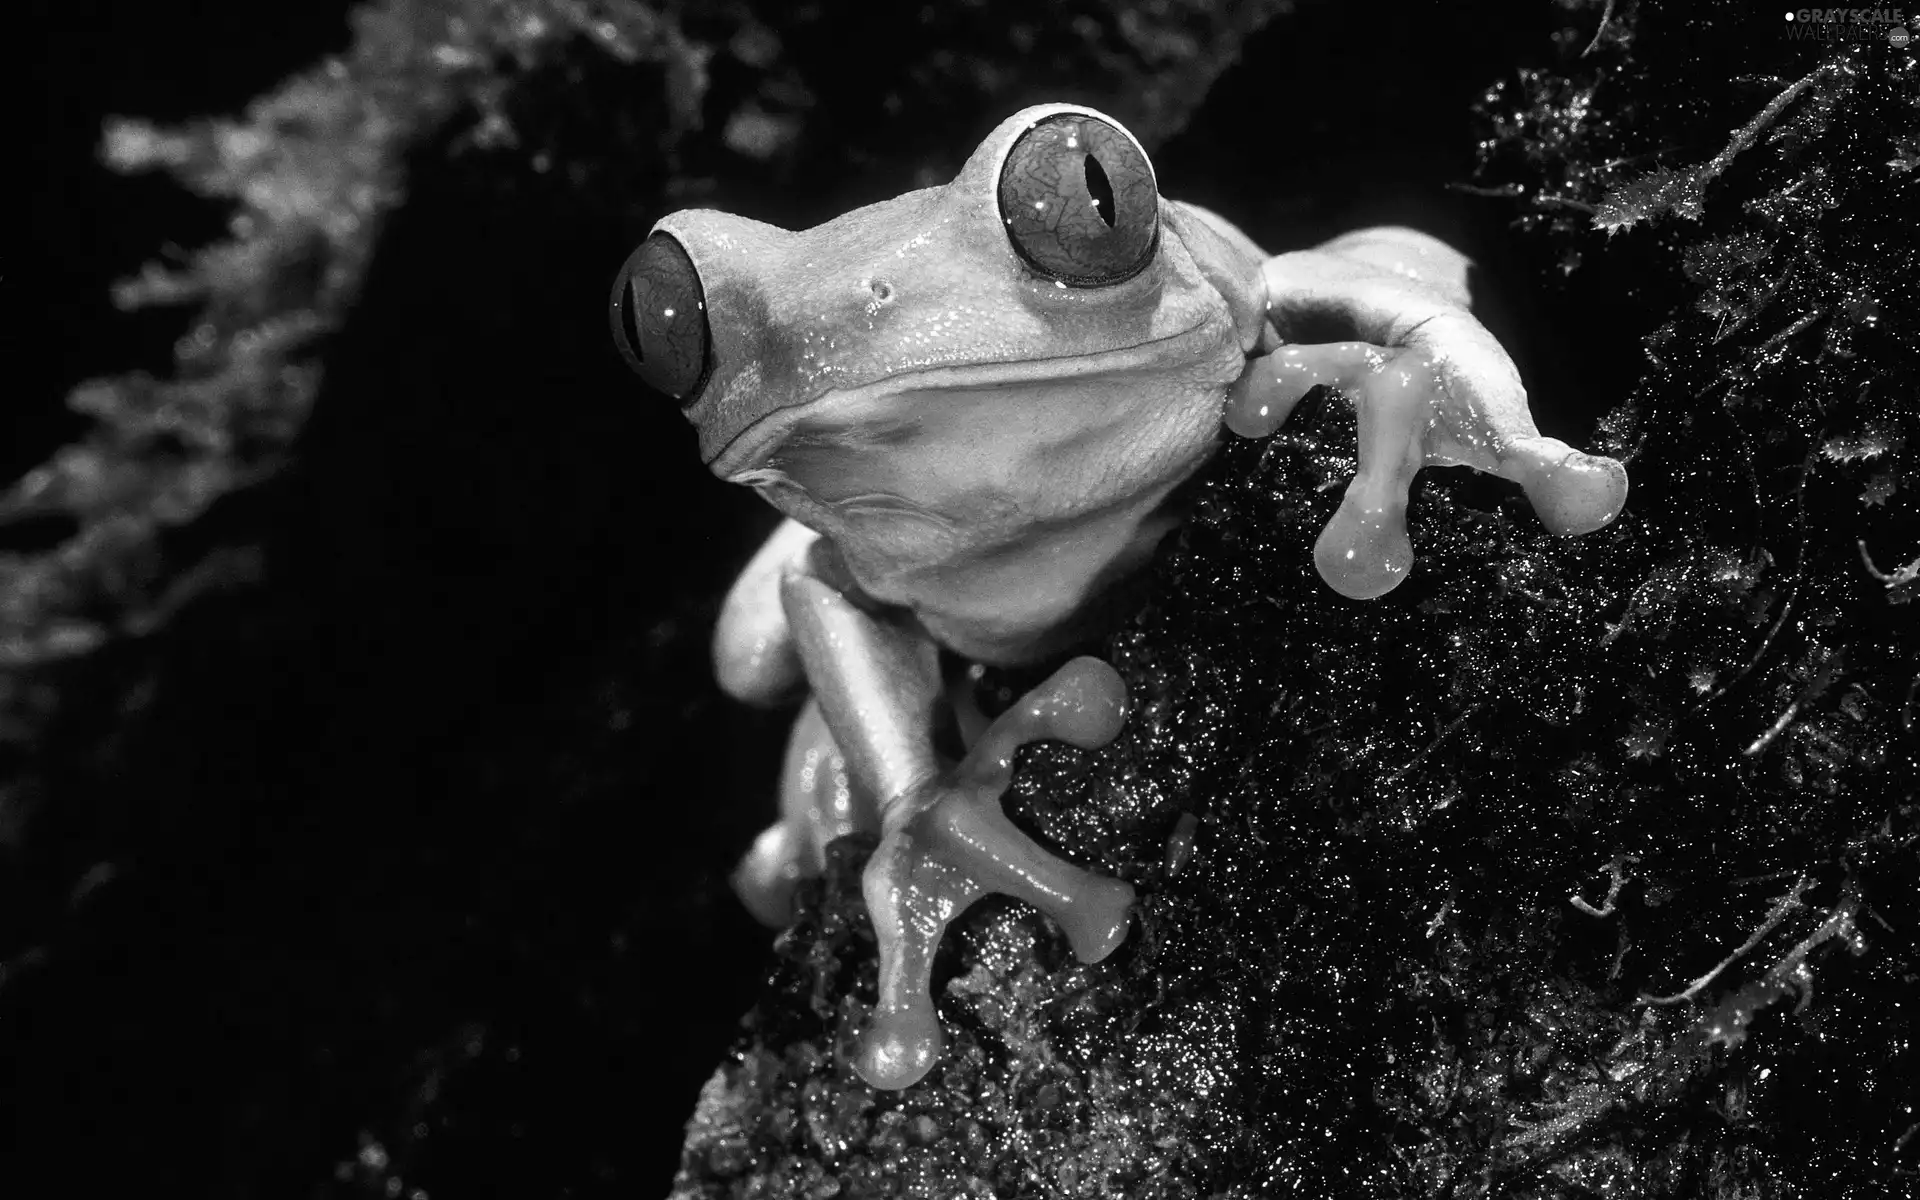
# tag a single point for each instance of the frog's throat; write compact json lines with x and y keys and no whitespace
{"x":748,"y":450}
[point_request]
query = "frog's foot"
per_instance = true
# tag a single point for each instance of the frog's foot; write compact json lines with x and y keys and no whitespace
{"x":947,"y":843}
{"x":1449,"y":397}
{"x":769,"y":873}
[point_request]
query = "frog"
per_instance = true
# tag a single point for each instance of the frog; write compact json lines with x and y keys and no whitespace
{"x":977,"y":408}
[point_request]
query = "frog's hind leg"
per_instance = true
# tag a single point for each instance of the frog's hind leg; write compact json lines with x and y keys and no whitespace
{"x":755,"y":661}
{"x":819,"y":801}
{"x":753,"y":654}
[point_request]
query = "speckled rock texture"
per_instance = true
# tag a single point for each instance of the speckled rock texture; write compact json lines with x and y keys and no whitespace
{"x":1573,"y":868}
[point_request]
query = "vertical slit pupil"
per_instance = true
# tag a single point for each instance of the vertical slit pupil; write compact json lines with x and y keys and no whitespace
{"x":1100,"y":188}
{"x":630,"y":322}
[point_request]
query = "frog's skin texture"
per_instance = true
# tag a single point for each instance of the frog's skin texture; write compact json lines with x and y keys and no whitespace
{"x":974,"y":404}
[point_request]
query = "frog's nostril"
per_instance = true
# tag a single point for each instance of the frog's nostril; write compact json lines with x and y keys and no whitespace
{"x":1100,"y":188}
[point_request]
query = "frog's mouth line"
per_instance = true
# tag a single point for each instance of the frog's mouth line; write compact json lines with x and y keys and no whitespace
{"x":749,"y":448}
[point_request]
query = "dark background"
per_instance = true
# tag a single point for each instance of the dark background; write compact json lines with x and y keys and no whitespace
{"x":448,"y":808}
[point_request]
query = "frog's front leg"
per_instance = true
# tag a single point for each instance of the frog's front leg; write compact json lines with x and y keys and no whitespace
{"x":1430,"y":384}
{"x":756,"y":662}
{"x":1420,"y":259}
{"x":944,"y":840}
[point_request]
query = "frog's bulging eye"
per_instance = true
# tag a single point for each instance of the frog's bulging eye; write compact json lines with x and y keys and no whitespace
{"x":1079,"y":201}
{"x":659,"y":314}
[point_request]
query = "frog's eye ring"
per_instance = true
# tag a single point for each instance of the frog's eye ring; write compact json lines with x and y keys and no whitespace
{"x":1079,"y":201}
{"x":659,"y":315}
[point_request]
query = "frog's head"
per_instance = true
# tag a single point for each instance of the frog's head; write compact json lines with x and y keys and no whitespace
{"x":1050,"y":256}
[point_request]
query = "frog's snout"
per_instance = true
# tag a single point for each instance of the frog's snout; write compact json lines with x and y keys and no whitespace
{"x":658,"y":313}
